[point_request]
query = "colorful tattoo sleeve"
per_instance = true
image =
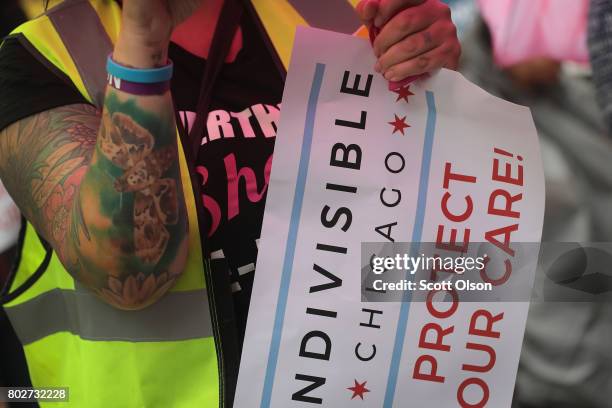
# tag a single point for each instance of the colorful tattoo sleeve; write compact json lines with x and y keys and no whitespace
{"x":105,"y":192}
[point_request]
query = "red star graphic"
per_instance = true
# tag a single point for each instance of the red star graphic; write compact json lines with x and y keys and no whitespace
{"x":403,"y":93}
{"x":358,"y":389}
{"x":399,"y":124}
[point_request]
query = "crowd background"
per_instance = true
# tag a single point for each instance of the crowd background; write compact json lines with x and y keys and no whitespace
{"x":567,"y":353}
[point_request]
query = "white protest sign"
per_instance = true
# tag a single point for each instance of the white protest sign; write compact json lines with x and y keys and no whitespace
{"x":438,"y":161}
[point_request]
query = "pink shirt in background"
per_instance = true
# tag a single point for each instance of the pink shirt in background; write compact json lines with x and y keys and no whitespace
{"x":526,"y":29}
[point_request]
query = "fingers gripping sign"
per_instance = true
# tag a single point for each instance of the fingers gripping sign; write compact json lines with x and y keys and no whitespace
{"x":412,"y":37}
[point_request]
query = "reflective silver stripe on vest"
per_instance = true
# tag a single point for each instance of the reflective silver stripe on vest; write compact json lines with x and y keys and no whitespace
{"x":87,"y":43}
{"x":176,"y":316}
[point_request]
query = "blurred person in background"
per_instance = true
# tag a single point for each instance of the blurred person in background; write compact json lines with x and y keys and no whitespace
{"x":114,"y":295}
{"x":535,"y":53}
{"x":600,"y":46}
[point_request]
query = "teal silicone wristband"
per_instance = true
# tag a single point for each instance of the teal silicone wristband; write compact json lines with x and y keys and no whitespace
{"x":142,"y":76}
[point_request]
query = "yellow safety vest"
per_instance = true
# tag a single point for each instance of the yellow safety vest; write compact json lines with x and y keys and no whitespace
{"x":34,"y":8}
{"x":181,"y":351}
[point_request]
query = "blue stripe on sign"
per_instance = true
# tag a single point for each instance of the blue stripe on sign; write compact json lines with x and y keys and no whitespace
{"x":298,"y":199}
{"x":417,"y":233}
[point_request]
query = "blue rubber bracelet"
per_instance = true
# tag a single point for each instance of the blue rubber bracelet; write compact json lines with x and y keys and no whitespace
{"x":141,"y":76}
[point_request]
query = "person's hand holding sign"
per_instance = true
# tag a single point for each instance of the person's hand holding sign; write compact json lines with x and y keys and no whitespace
{"x":413,"y":36}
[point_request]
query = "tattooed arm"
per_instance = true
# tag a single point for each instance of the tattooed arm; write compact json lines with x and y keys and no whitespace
{"x":105,"y":192}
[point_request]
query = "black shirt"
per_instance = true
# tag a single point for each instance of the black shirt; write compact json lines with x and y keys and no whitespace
{"x":235,"y":156}
{"x":11,"y":16}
